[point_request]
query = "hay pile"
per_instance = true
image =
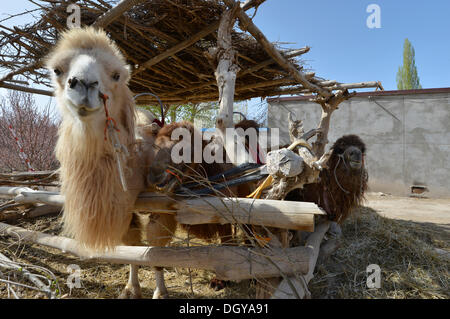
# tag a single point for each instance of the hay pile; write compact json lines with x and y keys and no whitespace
{"x":404,"y":250}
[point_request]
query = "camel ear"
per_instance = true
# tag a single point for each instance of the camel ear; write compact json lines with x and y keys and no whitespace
{"x":291,"y":117}
{"x":127,"y":74}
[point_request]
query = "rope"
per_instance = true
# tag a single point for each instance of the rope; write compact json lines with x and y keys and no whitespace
{"x":162,"y":122}
{"x":335,"y":177}
{"x":121,"y":152}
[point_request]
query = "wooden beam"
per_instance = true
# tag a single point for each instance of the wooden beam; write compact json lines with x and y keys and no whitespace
{"x":23,"y":176}
{"x":239,"y":89}
{"x":26,"y":68}
{"x":240,"y":94}
{"x":25,"y":89}
{"x":277,"y":82}
{"x":270,"y":213}
{"x":18,"y":82}
{"x":115,"y":12}
{"x":248,"y":25}
{"x":337,"y":87}
{"x":177,"y":48}
{"x":261,"y":65}
{"x":229,"y":263}
{"x":203,"y":210}
{"x":348,"y":86}
{"x":101,"y":22}
{"x":188,"y":42}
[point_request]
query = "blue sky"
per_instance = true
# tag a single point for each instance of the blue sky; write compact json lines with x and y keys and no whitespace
{"x":343,"y":48}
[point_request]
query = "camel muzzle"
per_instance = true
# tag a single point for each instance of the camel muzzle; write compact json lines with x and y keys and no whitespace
{"x":354,"y":157}
{"x":84,"y":96}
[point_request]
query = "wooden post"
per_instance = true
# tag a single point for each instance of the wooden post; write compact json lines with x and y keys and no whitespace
{"x":328,"y":107}
{"x":296,"y":287}
{"x":247,"y":25}
{"x":225,"y":57}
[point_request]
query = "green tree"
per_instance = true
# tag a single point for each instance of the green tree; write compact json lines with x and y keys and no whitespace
{"x":205,"y":112}
{"x":407,"y":77}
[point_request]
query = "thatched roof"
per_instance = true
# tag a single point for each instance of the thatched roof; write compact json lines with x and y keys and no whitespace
{"x":165,"y":42}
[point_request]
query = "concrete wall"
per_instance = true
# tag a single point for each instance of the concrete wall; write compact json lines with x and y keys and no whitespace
{"x":409,"y":149}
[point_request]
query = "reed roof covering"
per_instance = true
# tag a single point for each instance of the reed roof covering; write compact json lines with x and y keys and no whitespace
{"x":144,"y":32}
{"x":167,"y":43}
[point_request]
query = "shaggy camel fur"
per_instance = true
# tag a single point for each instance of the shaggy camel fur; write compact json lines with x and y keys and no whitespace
{"x":165,"y":172}
{"x":163,"y":168}
{"x":90,"y":77}
{"x":342,"y":185}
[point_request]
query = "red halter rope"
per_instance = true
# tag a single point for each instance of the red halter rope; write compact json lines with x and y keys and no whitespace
{"x":110,"y":122}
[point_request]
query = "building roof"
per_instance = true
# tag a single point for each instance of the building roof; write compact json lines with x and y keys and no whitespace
{"x":365,"y":94}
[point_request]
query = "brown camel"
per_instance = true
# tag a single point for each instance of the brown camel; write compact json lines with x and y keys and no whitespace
{"x":342,"y":185}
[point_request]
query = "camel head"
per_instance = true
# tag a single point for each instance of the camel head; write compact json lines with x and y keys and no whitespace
{"x":342,"y":185}
{"x":86,"y":67}
{"x":351,"y":150}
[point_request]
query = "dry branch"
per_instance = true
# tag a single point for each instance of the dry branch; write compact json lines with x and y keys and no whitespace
{"x":328,"y":107}
{"x":115,"y":12}
{"x":186,"y":43}
{"x":25,"y":89}
{"x":247,"y":25}
{"x":21,"y":70}
{"x":5,"y":262}
{"x":284,"y":290}
{"x":229,"y":263}
{"x":161,"y":32}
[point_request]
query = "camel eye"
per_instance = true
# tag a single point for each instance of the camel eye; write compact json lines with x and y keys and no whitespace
{"x":116,"y":76}
{"x":58,"y":72}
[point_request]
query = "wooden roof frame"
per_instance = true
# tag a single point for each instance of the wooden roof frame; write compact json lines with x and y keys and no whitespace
{"x":290,"y":79}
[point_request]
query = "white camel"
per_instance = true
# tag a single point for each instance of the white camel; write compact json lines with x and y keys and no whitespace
{"x":102,"y":150}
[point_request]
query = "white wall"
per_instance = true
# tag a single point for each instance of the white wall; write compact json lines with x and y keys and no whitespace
{"x":412,"y":149}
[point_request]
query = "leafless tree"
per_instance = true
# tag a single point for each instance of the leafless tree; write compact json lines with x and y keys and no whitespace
{"x":35,"y":128}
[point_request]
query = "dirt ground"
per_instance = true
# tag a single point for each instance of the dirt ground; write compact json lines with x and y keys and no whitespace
{"x":400,"y":234}
{"x":423,"y":210}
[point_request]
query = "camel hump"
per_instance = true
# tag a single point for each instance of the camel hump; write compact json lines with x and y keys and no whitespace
{"x":245,"y":124}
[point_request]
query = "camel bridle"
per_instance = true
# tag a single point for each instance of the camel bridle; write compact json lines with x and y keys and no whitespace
{"x":120,"y":150}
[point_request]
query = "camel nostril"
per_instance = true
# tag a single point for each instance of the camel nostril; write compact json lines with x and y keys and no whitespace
{"x":73,"y":83}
